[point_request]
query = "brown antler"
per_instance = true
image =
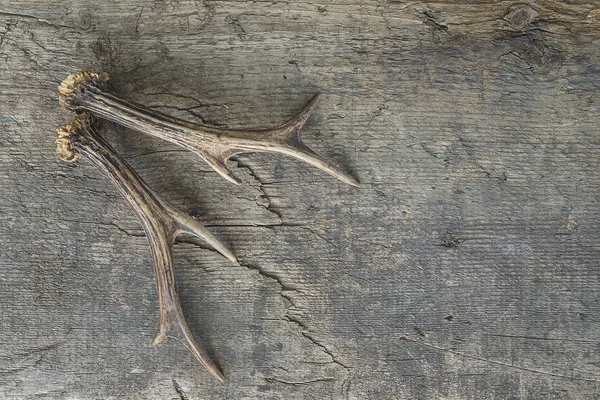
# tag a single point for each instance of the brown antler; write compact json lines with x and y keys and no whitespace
{"x":162,"y":224}
{"x":88,"y":90}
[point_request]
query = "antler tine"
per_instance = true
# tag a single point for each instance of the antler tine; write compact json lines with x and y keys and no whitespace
{"x":288,"y":142}
{"x":162,"y":224}
{"x":88,"y":90}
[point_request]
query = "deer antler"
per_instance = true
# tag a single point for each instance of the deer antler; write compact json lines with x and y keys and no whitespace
{"x":162,"y":224}
{"x":88,"y":90}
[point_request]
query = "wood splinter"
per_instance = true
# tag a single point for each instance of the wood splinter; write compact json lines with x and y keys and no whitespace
{"x":162,"y":223}
{"x":88,"y":91}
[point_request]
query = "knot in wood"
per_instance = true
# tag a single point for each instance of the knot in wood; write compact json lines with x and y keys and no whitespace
{"x":520,"y":17}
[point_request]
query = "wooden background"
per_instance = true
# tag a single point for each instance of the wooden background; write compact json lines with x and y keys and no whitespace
{"x":466,"y":266}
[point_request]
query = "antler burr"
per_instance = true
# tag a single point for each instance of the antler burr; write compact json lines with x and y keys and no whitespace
{"x":89,"y":90}
{"x":162,"y":223}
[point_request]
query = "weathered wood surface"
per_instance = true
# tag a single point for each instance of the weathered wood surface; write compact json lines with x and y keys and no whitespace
{"x":465,"y":267}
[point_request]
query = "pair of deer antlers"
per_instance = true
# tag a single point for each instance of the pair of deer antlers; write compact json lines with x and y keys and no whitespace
{"x":86,"y":93}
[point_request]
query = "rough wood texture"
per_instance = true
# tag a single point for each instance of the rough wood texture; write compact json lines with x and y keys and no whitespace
{"x":466,"y":266}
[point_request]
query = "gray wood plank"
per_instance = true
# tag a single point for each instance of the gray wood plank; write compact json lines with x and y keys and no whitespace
{"x":464,"y":267}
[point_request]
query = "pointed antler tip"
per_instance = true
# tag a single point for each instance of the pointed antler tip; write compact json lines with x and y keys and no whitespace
{"x":158,"y":338}
{"x":353,"y":181}
{"x":218,"y":374}
{"x":224,"y":251}
{"x":232,"y":178}
{"x":231,"y":258}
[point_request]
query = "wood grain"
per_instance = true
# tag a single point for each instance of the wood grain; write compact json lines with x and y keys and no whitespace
{"x":464,"y":267}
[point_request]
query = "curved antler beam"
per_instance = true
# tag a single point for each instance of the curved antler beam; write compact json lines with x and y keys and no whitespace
{"x":162,"y":224}
{"x":88,"y":90}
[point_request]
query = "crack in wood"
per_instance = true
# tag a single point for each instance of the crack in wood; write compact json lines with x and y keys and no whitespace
{"x":182,"y":395}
